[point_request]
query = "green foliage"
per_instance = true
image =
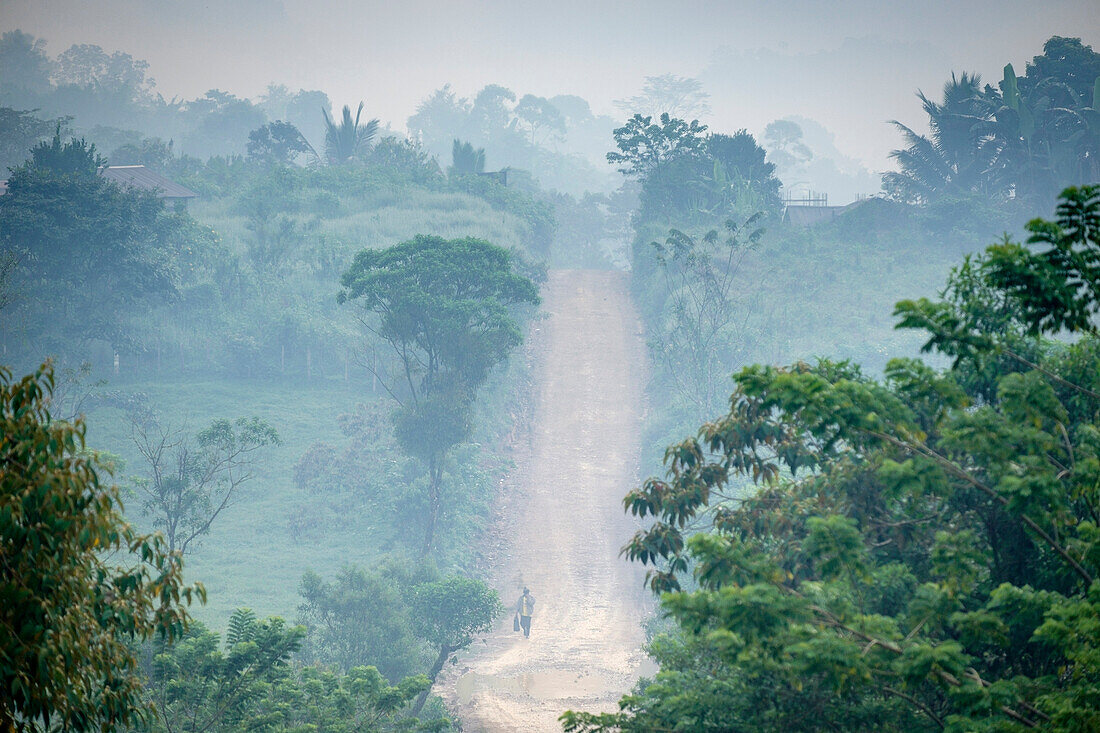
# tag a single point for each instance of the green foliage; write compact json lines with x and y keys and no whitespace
{"x":701,"y":331}
{"x":20,"y":130}
{"x":645,"y":147}
{"x":251,"y":683}
{"x":687,"y":177}
{"x":447,"y":613}
{"x":75,"y":158}
{"x":1057,"y":281}
{"x":77,"y":584}
{"x":444,"y":308}
{"x":361,"y":618}
{"x":90,"y":252}
{"x":348,"y":141}
{"x":397,"y":617}
{"x":933,"y":568}
{"x":190,"y":482}
{"x":465,"y":161}
{"x":197,"y":686}
{"x":450,"y":611}
{"x":1025,"y":141}
{"x":277,"y":142}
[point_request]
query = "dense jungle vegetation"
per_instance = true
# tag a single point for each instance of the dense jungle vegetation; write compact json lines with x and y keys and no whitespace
{"x":303,"y":385}
{"x":856,"y":542}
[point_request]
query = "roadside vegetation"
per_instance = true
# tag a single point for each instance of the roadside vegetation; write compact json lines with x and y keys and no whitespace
{"x":871,"y":540}
{"x":304,"y":385}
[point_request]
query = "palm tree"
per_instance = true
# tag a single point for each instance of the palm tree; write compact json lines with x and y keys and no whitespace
{"x":347,"y":141}
{"x":465,"y":160}
{"x":959,"y":155}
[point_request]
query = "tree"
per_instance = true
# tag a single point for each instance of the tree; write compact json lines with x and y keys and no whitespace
{"x":465,"y":161}
{"x":361,"y":618}
{"x":298,"y":108}
{"x":540,"y":115}
{"x":91,"y":252}
{"x":704,"y":331}
{"x":278,"y":142}
{"x":491,"y":111}
{"x":219,"y":124}
{"x":404,"y":158}
{"x":1025,"y":141}
{"x":315,"y":698}
{"x":785,"y":145}
{"x":77,"y":584}
{"x":191,"y":482}
{"x":20,"y":131}
{"x":24,"y":66}
{"x":958,"y":157}
{"x":645,"y":147}
{"x":742,"y":181}
{"x":198,"y":686}
{"x":669,"y":94}
{"x":448,"y":613}
{"x":1065,"y":62}
{"x":440,"y":118}
{"x":442,"y":306}
{"x":151,"y":152}
{"x":931,"y":561}
{"x":117,"y":75}
{"x":1047,"y":124}
{"x":348,"y":141}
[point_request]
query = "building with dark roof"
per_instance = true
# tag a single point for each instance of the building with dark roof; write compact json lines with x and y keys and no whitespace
{"x":141,"y":178}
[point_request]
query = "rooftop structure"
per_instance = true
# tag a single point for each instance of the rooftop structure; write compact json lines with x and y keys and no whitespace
{"x":141,"y":178}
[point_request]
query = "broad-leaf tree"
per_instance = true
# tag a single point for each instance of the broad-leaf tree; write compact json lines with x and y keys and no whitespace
{"x":201,"y":685}
{"x":704,"y":328}
{"x":917,"y":553}
{"x":77,"y":585}
{"x":189,"y":482}
{"x":278,"y":142}
{"x":448,"y":613}
{"x":445,"y":307}
{"x":90,"y":252}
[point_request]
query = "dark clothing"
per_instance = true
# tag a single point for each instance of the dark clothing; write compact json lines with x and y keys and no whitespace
{"x":525,"y":606}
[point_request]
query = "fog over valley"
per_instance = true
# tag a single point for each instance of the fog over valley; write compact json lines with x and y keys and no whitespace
{"x":515,"y":366}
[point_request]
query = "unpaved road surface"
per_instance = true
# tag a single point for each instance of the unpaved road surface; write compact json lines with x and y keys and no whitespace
{"x":562,"y":523}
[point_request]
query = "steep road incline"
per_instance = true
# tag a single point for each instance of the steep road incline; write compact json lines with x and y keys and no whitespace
{"x":562,"y":525}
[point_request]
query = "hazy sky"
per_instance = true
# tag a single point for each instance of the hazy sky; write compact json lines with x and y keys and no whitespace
{"x":850,"y":64}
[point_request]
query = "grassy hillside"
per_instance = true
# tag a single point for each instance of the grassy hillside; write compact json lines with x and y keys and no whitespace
{"x":806,"y":292}
{"x":243,"y":360}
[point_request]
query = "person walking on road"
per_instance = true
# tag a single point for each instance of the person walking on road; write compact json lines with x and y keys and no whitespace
{"x":524,"y":606}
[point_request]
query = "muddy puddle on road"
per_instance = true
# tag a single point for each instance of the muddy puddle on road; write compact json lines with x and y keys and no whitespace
{"x":545,"y":685}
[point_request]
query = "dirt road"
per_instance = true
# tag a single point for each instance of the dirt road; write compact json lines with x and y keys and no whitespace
{"x":563,"y":523}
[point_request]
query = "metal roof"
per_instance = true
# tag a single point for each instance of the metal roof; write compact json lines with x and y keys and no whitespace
{"x":806,"y":216}
{"x":138,"y":176}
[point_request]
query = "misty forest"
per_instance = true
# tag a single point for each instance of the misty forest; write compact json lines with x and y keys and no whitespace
{"x":536,"y":413}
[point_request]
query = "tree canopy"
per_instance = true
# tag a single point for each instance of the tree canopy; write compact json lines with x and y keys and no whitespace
{"x":1024,"y":140}
{"x":77,"y":584}
{"x":444,"y":308}
{"x":917,"y":553}
{"x":90,"y":251}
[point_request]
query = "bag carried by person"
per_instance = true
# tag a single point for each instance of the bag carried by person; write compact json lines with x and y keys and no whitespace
{"x":515,"y":623}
